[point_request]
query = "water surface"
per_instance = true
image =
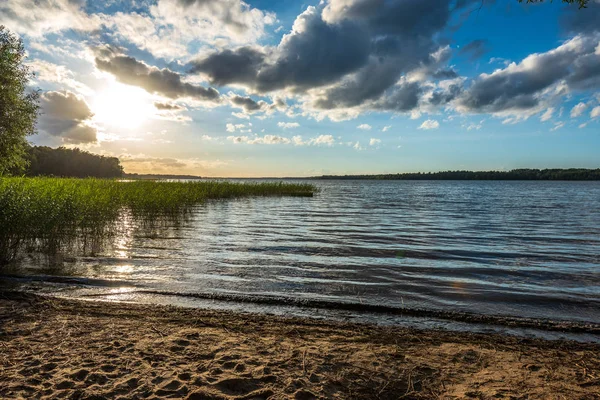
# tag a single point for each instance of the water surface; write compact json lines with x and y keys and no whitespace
{"x":524,"y":249}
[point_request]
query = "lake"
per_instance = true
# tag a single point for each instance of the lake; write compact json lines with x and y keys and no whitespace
{"x":512,"y":248}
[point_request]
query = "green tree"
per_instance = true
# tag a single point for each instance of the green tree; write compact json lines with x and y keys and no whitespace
{"x":19,"y":107}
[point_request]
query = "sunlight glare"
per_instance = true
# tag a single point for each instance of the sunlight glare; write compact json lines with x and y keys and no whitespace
{"x":122,"y":106}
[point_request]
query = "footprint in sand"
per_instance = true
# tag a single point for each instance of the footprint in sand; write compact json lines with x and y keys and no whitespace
{"x":80,"y":375}
{"x":66,"y":384}
{"x":108,"y":368}
{"x":304,"y":395}
{"x":172,"y":388}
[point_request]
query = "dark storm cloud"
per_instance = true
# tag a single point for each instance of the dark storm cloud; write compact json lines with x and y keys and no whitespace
{"x":400,"y":98}
{"x":165,"y":82}
{"x":320,"y":54}
{"x":168,"y":106}
{"x":247,"y":103}
{"x":359,"y":48}
{"x":587,"y":20}
{"x":398,"y":18}
{"x":66,"y":115}
{"x":520,"y":86}
{"x":442,"y":74}
{"x":586,"y":71}
{"x":475,"y":49}
{"x":231,"y":66}
{"x":368,"y":84}
{"x":443,"y":97}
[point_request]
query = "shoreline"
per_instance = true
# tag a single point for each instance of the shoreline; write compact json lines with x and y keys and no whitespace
{"x":78,"y":349}
{"x":316,"y":305}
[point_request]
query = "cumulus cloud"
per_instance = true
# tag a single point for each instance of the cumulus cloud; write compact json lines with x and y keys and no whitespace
{"x":154,"y":80}
{"x":374,"y":142}
{"x":344,"y":54}
{"x":247,"y":104}
{"x":49,"y":72}
{"x":521,"y":88}
{"x":266,"y":139}
{"x":238,"y":127}
{"x":313,"y":45}
{"x":288,"y":125}
{"x":327,"y":140}
{"x":595,"y":113}
{"x":364,"y":127}
{"x":429,"y":124}
{"x":170,"y":28}
{"x":168,"y":106}
{"x":68,"y":116}
{"x":577,"y":110}
{"x":321,"y":140}
{"x":42,"y":17}
{"x":386,"y":128}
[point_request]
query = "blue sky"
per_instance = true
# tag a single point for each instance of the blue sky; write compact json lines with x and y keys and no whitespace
{"x":271,"y":88}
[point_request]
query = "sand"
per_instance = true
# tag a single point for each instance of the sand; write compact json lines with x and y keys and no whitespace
{"x":52,"y":348}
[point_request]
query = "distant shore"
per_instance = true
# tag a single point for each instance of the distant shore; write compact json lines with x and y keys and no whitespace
{"x":549,"y":174}
{"x":73,"y":349}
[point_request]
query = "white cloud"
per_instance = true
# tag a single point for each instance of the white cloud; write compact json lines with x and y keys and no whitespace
{"x":374,"y":142}
{"x":578,"y":110}
{"x":240,"y":115}
{"x":266,"y":139}
{"x":41,"y":17}
{"x":326,"y":140}
{"x":236,"y":127}
{"x":171,"y":27}
{"x":321,"y":140}
{"x":365,"y":127}
{"x":415,"y":114}
{"x":357,"y":146}
{"x":595,"y":112}
{"x":474,"y":126}
{"x":288,"y":125}
{"x":386,"y":128}
{"x":557,"y":126}
{"x":547,"y":115}
{"x":48,"y":72}
{"x":430,"y":124}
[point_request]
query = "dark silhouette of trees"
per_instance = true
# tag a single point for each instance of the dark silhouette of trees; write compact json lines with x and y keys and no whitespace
{"x":571,"y":174}
{"x":581,"y":3}
{"x":76,"y":163}
{"x":18,"y":108}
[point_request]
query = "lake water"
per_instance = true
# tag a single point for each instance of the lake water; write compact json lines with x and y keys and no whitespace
{"x":524,"y":249}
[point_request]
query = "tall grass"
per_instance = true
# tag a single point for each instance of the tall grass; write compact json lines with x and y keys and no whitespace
{"x":54,"y":215}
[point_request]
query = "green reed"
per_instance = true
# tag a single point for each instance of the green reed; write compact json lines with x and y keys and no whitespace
{"x":55,"y":215}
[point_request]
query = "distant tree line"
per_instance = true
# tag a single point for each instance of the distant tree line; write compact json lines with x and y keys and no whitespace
{"x":571,"y":174}
{"x":63,"y":162}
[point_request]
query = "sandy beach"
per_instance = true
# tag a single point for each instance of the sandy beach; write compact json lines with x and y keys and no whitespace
{"x":53,"y":348}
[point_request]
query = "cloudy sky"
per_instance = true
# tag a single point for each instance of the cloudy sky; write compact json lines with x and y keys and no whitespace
{"x":297,"y":88}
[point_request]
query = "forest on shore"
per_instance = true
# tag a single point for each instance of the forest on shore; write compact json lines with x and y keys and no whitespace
{"x":75,"y":163}
{"x":524,"y":174}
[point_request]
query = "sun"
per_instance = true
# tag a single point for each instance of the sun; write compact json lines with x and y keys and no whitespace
{"x":122,"y":106}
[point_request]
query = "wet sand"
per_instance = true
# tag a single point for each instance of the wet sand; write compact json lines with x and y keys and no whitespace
{"x":51,"y":348}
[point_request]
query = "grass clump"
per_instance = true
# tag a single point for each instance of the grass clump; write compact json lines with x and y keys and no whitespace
{"x":56,"y":215}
